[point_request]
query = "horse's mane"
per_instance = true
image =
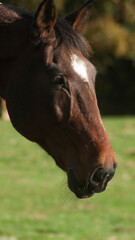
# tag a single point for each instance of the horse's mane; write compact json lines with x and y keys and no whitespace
{"x":10,"y":14}
{"x":71,"y":39}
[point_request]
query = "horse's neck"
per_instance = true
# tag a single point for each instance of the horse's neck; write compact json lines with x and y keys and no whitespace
{"x":14,"y":33}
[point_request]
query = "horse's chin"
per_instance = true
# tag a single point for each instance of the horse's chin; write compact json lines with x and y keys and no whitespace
{"x":81,"y":195}
{"x":86,"y":196}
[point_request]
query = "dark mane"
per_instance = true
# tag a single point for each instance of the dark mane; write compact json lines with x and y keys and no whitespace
{"x":10,"y":14}
{"x":70,"y":39}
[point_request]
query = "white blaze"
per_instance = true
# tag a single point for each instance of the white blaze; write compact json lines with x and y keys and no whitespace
{"x":79,"y":67}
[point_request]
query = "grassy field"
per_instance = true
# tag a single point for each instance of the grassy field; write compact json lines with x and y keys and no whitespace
{"x":35,"y":203}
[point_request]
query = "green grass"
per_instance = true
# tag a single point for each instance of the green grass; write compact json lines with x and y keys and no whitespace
{"x":35,"y":203}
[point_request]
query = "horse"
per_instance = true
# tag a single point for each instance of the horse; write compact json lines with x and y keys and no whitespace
{"x":48,"y":84}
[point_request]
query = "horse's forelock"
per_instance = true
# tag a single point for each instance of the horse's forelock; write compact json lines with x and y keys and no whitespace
{"x":70,"y":39}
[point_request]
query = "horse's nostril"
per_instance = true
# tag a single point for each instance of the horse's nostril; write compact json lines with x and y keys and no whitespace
{"x":101,"y":174}
{"x":97,"y":177}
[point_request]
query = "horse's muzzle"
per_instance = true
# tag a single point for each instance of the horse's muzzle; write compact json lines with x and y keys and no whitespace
{"x":97,"y":182}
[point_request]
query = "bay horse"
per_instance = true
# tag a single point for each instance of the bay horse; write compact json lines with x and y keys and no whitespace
{"x":49,"y":87}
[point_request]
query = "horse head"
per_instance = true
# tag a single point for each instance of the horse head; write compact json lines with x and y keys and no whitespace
{"x":52,"y":99}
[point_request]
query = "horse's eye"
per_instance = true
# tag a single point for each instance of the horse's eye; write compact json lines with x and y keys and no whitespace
{"x":59,"y":81}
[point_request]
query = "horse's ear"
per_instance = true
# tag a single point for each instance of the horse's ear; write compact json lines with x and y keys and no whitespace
{"x":45,"y":18}
{"x":78,"y":18}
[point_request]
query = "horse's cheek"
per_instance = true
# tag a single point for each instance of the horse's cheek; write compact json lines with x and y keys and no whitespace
{"x":62,"y":107}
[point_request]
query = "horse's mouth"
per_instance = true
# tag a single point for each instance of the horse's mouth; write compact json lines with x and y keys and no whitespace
{"x":81,"y":193}
{"x":79,"y":190}
{"x":87,"y":190}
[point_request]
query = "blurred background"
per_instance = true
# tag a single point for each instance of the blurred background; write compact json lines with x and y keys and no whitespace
{"x":35,"y":203}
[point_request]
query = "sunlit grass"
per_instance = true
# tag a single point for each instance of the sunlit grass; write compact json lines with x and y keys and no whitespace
{"x":35,"y":203}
